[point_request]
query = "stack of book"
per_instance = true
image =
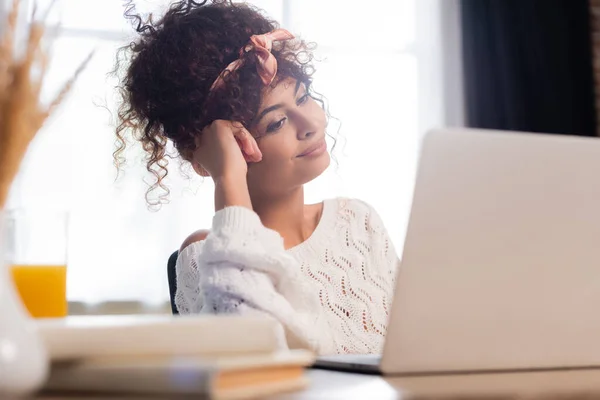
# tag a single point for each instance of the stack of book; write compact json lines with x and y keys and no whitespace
{"x":222,"y":357}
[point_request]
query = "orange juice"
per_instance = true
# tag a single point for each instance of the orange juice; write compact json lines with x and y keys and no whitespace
{"x":43,"y":289}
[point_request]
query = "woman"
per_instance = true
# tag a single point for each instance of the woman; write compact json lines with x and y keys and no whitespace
{"x":232,"y":92}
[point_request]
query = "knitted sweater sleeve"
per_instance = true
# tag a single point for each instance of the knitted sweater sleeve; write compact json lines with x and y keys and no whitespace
{"x":243,"y":268}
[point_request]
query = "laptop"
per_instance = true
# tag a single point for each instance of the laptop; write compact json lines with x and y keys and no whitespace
{"x":501,"y":263}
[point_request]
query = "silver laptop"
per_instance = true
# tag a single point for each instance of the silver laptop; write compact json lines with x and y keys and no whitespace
{"x":501,"y":264}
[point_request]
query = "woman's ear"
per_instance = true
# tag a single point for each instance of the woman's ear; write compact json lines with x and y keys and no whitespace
{"x":199,"y":169}
{"x":188,"y":155}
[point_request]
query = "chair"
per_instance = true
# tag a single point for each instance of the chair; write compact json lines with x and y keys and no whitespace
{"x":172,"y":277}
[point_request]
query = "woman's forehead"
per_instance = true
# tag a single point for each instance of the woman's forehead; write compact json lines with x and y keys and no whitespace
{"x":284,"y":88}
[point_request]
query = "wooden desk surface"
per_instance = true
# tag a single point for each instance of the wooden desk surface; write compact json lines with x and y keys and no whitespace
{"x":574,"y":384}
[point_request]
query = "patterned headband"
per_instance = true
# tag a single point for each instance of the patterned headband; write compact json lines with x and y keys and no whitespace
{"x":266,"y":65}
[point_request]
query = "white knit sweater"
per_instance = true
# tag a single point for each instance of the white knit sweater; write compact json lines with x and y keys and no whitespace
{"x":332,"y":293}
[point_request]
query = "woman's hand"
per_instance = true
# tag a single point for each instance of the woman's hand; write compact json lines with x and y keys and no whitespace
{"x":223,"y":152}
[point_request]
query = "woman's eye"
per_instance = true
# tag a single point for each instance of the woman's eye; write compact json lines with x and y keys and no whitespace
{"x":302,"y":99}
{"x":276,"y":125}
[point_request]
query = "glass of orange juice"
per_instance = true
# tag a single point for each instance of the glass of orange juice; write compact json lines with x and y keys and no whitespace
{"x":36,"y":251}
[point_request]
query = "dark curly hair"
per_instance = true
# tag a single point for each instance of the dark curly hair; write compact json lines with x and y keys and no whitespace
{"x":171,"y":66}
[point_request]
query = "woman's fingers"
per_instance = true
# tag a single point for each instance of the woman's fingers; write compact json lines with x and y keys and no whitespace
{"x":257,"y":152}
{"x":248,"y":144}
{"x":242,"y":135}
{"x":217,"y":138}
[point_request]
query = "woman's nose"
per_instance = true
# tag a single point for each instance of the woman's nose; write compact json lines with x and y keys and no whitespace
{"x":304,"y":134}
{"x":307,"y":127}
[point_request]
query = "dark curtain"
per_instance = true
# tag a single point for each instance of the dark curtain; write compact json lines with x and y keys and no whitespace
{"x":528,"y":65}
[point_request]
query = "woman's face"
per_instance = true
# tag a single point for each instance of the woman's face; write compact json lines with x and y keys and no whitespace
{"x":290,"y":132}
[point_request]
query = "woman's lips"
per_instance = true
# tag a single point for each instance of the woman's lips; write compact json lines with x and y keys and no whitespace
{"x":315,"y":150}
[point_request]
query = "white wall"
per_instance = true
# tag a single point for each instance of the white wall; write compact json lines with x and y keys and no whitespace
{"x":3,"y":6}
{"x":437,"y":101}
{"x":454,"y":99}
{"x":439,"y":41}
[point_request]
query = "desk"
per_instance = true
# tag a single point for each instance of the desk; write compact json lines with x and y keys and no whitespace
{"x":580,"y":384}
{"x":555,"y":385}
{"x":567,"y":384}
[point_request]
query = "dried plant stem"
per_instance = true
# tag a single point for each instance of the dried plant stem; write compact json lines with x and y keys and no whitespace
{"x":21,"y":114}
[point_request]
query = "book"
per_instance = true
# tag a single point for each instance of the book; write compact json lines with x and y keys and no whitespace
{"x":220,"y":357}
{"x":221,"y":377}
{"x":80,"y":337}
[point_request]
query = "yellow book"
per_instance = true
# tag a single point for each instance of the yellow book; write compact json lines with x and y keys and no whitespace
{"x":226,"y":378}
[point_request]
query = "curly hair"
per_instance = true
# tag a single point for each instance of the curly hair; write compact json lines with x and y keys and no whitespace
{"x":164,"y":91}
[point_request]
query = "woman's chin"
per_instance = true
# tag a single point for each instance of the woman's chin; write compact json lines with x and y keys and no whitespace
{"x":316,"y":166}
{"x":267,"y":182}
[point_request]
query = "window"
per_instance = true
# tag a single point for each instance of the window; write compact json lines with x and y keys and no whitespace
{"x":371,"y":73}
